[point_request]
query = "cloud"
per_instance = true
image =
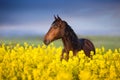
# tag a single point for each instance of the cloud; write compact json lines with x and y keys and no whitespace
{"x":85,"y":16}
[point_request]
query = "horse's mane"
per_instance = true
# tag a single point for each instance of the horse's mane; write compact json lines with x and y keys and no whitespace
{"x":70,"y":32}
{"x":71,"y":36}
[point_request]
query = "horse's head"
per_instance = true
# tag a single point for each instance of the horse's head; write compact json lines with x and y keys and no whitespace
{"x":56,"y":30}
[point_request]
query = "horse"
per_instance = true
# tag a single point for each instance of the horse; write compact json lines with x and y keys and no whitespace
{"x":61,"y":30}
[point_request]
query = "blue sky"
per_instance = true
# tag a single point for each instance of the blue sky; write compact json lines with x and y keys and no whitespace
{"x":86,"y":17}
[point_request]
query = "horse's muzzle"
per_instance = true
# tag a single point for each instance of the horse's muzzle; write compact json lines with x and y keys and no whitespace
{"x":46,"y":42}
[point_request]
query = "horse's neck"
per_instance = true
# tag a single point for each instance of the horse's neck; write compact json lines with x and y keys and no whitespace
{"x":70,"y":40}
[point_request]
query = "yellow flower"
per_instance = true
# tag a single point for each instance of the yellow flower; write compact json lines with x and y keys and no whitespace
{"x":84,"y":75}
{"x":64,"y":76}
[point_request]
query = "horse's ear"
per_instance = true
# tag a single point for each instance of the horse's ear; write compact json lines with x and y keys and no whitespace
{"x":55,"y":17}
{"x":59,"y":18}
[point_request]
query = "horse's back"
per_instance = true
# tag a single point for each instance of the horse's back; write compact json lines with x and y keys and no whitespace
{"x":87,"y":46}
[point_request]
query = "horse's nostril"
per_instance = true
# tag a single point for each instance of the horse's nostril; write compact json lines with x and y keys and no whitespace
{"x":46,"y":42}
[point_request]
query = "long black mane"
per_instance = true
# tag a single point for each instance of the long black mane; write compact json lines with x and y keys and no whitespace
{"x":69,"y":32}
{"x":71,"y":36}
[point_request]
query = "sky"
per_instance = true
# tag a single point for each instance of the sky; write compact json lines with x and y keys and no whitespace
{"x":34,"y":17}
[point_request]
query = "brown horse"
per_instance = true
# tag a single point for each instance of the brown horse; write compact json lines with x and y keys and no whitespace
{"x":61,"y":30}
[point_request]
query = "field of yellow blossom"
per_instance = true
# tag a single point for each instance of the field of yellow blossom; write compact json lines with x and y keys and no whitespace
{"x":29,"y":62}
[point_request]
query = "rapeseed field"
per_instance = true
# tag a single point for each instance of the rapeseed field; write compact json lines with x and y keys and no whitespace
{"x":29,"y":62}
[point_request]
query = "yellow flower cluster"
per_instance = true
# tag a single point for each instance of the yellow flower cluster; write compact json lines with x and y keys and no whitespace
{"x":29,"y":62}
